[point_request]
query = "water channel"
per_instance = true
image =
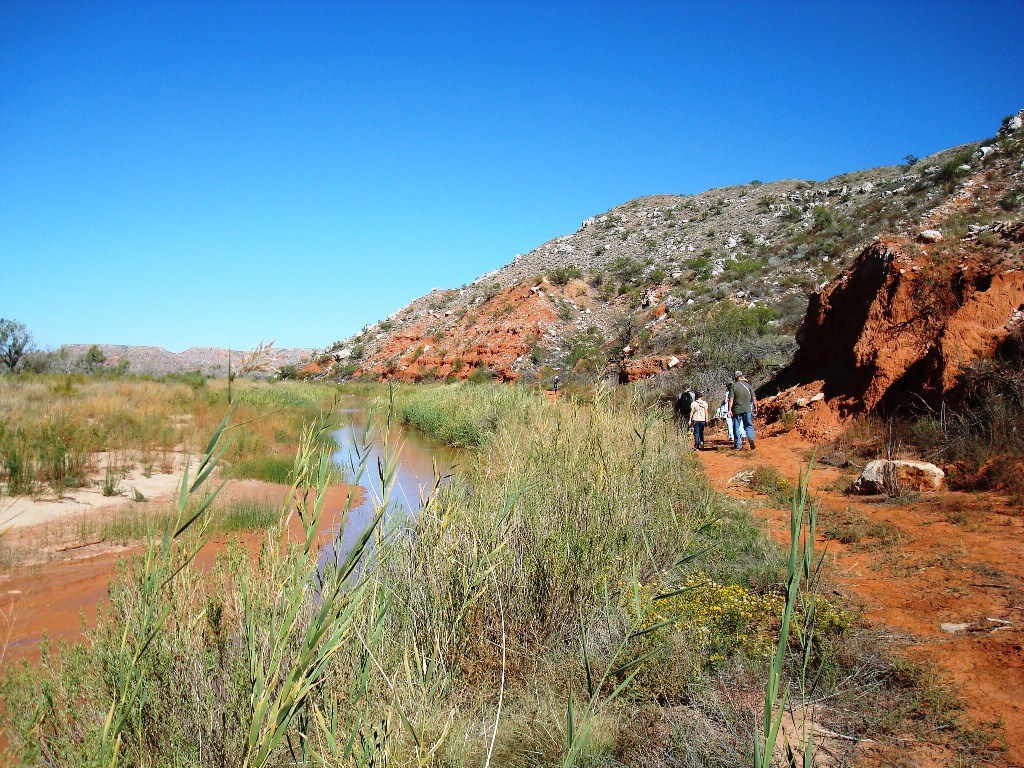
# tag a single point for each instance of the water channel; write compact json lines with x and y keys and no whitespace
{"x":421,"y":464}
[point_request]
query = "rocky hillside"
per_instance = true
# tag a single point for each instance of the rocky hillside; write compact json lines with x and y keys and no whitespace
{"x":696,"y":284}
{"x":157,"y":361}
{"x":900,"y":327}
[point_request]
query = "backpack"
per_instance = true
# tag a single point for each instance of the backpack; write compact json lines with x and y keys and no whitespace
{"x":684,"y":401}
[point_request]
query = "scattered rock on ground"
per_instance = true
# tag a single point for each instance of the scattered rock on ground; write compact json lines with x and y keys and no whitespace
{"x":891,"y":475}
{"x":954,"y":628}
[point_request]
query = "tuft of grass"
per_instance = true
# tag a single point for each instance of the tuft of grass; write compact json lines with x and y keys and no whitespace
{"x":270,"y":469}
{"x":111,"y":481}
{"x":853,"y":527}
{"x":246,"y":515}
{"x":135,"y":522}
{"x":771,"y":482}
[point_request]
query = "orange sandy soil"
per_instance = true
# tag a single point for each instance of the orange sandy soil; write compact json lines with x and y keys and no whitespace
{"x":56,"y":596}
{"x":957,"y":558}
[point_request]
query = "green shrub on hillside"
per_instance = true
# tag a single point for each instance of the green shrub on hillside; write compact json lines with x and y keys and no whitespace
{"x":821,"y":216}
{"x":953,"y":169}
{"x":586,"y":352}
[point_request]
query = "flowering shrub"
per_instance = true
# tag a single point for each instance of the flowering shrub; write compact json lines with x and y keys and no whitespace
{"x":720,"y":620}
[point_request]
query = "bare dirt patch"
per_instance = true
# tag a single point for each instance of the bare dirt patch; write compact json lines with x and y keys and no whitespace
{"x":58,"y":593}
{"x":914,"y":565}
{"x":27,"y":511}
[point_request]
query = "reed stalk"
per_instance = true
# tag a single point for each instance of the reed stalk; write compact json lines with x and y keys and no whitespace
{"x":802,"y":575}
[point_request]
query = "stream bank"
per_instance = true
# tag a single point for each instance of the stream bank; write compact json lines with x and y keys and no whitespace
{"x":56,"y":598}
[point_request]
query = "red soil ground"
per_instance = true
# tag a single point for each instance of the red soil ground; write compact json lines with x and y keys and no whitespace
{"x":57,"y":596}
{"x":945,"y":558}
{"x":948,"y":558}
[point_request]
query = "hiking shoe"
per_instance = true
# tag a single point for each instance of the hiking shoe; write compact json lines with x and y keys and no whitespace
{"x":753,"y":447}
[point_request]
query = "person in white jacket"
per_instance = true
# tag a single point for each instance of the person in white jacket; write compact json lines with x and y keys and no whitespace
{"x":723,"y":414}
{"x":699,"y":420}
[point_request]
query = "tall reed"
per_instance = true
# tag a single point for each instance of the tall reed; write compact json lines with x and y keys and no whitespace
{"x":799,"y":613}
{"x":508,"y":623}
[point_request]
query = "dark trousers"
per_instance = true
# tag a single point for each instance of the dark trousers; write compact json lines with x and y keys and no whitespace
{"x":698,"y":433}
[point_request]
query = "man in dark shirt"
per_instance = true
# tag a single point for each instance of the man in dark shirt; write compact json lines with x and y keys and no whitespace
{"x":742,"y":405}
{"x":683,"y":404}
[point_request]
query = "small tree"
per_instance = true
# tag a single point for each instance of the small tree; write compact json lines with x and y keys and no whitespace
{"x":38,"y":361}
{"x":64,"y":360}
{"x":15,"y":341}
{"x":93,"y":359}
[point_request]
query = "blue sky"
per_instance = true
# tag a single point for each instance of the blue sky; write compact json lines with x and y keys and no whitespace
{"x":219,"y":173}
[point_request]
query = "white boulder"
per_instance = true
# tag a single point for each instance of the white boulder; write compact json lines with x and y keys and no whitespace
{"x":891,"y":476}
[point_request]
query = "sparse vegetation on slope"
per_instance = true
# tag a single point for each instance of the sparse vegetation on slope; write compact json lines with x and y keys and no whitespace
{"x":669,"y":264}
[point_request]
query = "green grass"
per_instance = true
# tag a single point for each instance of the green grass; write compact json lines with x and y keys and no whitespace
{"x":246,"y":515}
{"x":270,"y":469}
{"x":135,"y":522}
{"x":460,"y":415}
{"x":769,"y":481}
{"x":511,"y":624}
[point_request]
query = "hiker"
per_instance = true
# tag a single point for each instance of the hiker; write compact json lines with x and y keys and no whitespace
{"x":723,"y":414}
{"x":683,"y":404}
{"x":698,"y":420}
{"x":556,"y":385}
{"x":742,"y":406}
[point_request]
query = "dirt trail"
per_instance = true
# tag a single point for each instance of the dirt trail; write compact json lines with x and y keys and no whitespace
{"x":946,"y":558}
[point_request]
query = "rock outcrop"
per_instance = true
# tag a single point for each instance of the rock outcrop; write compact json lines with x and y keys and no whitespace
{"x":898,"y":327}
{"x":645,"y":280}
{"x":636,"y":368}
{"x":493,"y":335}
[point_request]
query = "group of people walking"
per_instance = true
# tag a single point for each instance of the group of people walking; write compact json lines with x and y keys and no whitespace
{"x":737,"y":410}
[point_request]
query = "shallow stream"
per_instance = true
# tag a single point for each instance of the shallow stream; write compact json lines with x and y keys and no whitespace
{"x":421,"y":463}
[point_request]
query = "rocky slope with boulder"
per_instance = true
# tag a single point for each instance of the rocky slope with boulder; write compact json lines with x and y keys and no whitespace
{"x":897,"y":329}
{"x":639,"y":286}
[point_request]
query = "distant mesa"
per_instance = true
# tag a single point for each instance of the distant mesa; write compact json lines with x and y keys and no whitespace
{"x":157,"y":361}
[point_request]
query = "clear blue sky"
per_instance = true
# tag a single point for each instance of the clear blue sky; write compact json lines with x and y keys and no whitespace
{"x":219,"y":173}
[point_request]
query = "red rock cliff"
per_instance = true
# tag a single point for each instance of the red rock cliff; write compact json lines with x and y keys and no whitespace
{"x":897,"y":328}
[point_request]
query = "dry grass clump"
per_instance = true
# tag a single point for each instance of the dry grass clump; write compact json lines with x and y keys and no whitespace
{"x":54,"y":428}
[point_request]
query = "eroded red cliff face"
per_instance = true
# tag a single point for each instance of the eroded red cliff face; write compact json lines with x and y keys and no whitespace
{"x":635,"y":368}
{"x":494,"y":334}
{"x":898,"y":327}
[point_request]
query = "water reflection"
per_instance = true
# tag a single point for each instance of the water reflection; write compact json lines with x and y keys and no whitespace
{"x":421,"y":464}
